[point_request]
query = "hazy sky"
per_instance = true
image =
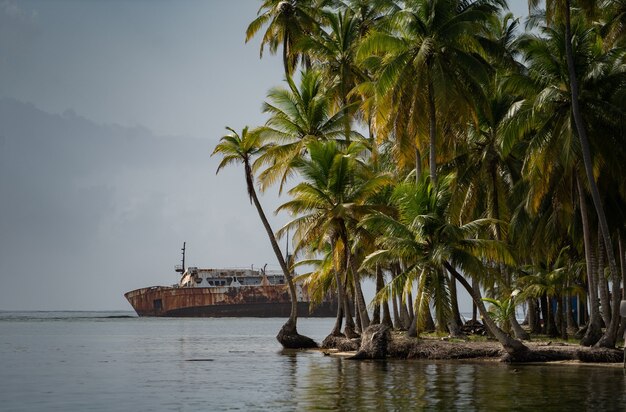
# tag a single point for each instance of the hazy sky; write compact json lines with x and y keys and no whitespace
{"x":108,"y":113}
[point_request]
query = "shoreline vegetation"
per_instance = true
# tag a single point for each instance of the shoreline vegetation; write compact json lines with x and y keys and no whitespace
{"x":435,"y":144}
{"x":397,"y":345}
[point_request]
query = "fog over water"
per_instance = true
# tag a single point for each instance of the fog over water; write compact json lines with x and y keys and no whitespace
{"x":109,"y":111}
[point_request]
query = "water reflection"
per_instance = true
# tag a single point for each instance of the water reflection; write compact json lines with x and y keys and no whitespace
{"x":329,"y":383}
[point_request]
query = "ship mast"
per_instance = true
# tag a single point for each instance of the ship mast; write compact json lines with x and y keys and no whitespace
{"x":181,"y":268}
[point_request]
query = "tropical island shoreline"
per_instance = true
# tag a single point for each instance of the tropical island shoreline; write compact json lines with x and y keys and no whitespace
{"x":402,"y":347}
{"x":439,"y":148}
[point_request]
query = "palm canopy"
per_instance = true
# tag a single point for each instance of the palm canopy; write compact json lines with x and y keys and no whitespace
{"x":333,"y":194}
{"x":239,"y":148}
{"x":423,"y":240}
{"x":287,"y":22}
{"x":554,"y":150}
{"x":432,"y":63}
{"x":298,"y":116}
{"x":328,"y":203}
{"x":335,"y":52}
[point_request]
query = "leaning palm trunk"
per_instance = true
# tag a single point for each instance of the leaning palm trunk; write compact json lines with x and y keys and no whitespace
{"x":515,"y":348}
{"x":610,"y":335}
{"x":594,"y":331}
{"x":288,"y":335}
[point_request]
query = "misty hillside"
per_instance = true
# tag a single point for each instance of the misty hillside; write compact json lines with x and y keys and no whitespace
{"x":88,"y":204}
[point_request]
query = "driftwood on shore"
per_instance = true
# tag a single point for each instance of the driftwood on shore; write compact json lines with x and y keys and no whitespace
{"x":378,"y":343}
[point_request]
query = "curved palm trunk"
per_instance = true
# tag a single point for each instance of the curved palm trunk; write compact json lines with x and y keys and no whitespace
{"x":288,"y":335}
{"x":610,"y":335}
{"x":513,"y":347}
{"x":594,"y":331}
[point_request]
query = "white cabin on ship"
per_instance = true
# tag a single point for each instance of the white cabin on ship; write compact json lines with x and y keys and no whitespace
{"x":194,"y":277}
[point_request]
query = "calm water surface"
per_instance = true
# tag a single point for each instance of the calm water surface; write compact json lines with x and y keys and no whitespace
{"x":88,"y":361}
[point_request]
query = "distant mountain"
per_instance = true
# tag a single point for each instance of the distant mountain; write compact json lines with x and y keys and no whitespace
{"x":88,"y":210}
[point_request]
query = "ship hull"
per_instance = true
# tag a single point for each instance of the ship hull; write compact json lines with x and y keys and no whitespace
{"x":246,"y":301}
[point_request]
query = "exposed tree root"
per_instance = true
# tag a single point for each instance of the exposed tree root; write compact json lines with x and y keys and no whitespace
{"x":374,"y":341}
{"x":341,"y":343}
{"x":289,"y":337}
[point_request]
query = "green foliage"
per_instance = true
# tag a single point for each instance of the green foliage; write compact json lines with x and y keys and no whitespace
{"x":492,"y":107}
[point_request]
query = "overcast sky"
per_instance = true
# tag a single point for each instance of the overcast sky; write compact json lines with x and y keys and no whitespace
{"x":108,"y":113}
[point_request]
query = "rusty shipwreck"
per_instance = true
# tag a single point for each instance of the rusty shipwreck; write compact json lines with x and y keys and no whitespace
{"x":225,"y":293}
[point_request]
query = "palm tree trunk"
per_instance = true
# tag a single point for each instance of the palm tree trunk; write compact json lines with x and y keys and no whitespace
{"x":560,"y":317}
{"x":418,"y":164}
{"x":358,"y":291}
{"x":397,"y":323}
{"x":348,"y":329}
{"x":454,"y":300}
{"x":622,"y":261}
{"x":551,"y":328}
{"x":533,"y":316}
{"x":519,"y":332}
{"x":432,"y":131}
{"x":594,"y":331}
{"x":339,"y":319}
{"x":543,"y":308}
{"x":513,"y":347}
{"x":357,"y":317}
{"x":609,"y":337}
{"x":286,"y":56}
{"x":454,"y":323}
{"x":386,"y":320}
{"x":288,"y":335}
{"x":572,"y":325}
{"x":380,"y":283}
{"x":603,"y":287}
{"x":405,"y":320}
{"x":474,"y":308}
{"x":410,"y":305}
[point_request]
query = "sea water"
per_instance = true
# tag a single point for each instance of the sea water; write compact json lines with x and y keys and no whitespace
{"x":114,"y":361}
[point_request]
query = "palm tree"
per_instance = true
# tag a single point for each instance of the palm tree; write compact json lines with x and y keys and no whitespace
{"x":555,"y":149}
{"x":562,"y":9}
{"x":431,"y":62}
{"x":334,"y":52}
{"x":487,"y":173}
{"x":426,"y":241}
{"x":614,"y":28}
{"x":241,"y":148}
{"x":287,"y":22}
{"x":327,"y":204}
{"x":298,"y":115}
